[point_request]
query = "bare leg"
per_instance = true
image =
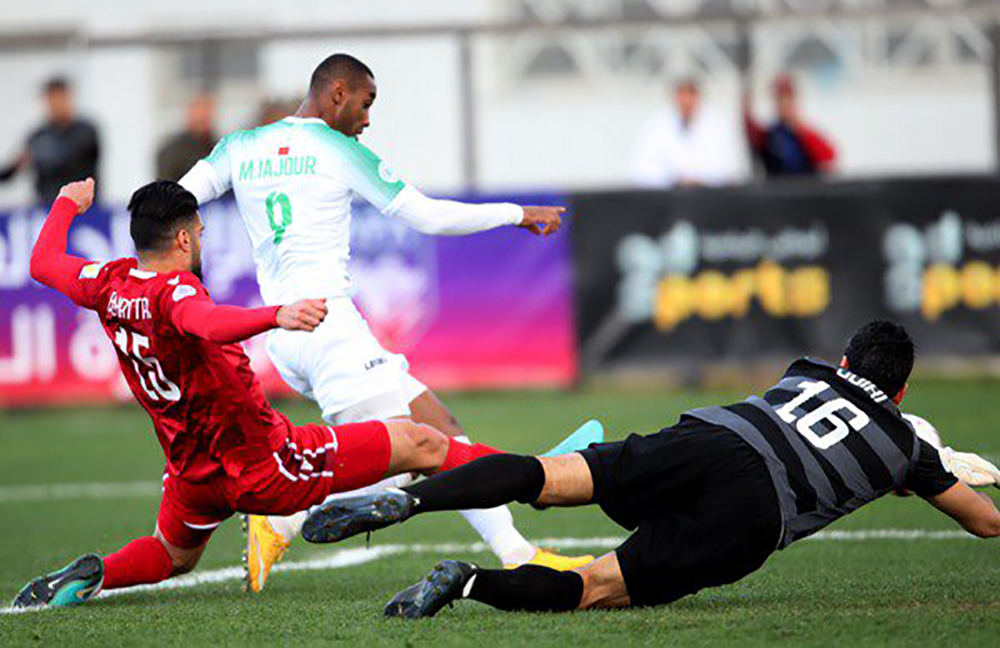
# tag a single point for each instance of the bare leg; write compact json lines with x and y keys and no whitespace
{"x":494,"y":525}
{"x":183,"y":560}
{"x":427,"y":408}
{"x":603,"y":584}
{"x":568,"y":481}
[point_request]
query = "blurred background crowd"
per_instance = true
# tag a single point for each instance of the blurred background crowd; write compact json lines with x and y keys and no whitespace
{"x":510,"y":94}
{"x":747,"y":179}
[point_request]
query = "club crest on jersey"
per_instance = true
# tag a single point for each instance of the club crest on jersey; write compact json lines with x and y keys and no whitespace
{"x":387,"y":173}
{"x":876,"y":394}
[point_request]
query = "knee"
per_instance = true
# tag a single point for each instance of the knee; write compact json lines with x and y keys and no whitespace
{"x":428,"y":446}
{"x":451,"y":427}
{"x":183,"y":564}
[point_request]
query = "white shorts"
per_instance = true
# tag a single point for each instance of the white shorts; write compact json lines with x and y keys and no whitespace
{"x":343,"y":368}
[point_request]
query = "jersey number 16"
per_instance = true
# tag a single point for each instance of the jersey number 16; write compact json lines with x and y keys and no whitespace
{"x":839,"y":424}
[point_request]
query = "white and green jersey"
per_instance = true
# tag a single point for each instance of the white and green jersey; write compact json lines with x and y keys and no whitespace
{"x":294,"y":180}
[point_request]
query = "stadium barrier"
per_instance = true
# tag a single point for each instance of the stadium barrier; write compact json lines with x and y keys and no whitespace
{"x":489,"y":310}
{"x":761,"y":272}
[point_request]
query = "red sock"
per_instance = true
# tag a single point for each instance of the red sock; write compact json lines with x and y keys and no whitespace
{"x":462,"y":453}
{"x":144,"y":560}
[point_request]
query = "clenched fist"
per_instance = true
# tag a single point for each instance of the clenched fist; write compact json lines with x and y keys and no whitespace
{"x":82,"y":193}
{"x":303,"y":315}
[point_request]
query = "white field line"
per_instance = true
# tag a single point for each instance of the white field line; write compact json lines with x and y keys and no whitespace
{"x":90,"y":490}
{"x":342,"y":558}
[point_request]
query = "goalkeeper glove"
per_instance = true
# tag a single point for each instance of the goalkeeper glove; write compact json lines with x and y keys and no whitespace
{"x":971,"y":469}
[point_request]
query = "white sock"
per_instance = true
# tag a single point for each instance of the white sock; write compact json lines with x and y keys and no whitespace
{"x":290,"y":526}
{"x":496,"y":527}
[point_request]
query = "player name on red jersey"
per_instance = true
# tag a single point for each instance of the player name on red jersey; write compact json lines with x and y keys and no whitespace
{"x":122,"y":308}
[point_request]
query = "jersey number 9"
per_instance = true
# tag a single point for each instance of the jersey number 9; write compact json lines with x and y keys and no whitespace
{"x":285,"y":205}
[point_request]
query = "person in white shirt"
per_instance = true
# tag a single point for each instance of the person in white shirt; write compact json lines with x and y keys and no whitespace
{"x":294,"y":181}
{"x":686,"y":146}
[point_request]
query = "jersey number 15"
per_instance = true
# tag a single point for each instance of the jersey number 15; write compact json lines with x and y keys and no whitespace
{"x":840,"y":414}
{"x":162,"y":387}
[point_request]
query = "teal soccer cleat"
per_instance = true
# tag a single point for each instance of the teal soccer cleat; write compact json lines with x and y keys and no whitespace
{"x":79,"y":581}
{"x":590,"y":432}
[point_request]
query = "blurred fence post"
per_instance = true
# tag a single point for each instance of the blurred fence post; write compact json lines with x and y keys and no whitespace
{"x":466,"y":82}
{"x":994,"y":72}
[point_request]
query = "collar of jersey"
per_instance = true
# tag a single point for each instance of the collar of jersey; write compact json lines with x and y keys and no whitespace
{"x":142,"y":274}
{"x":293,"y":118}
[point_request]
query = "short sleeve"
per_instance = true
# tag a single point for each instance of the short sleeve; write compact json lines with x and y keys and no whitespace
{"x":211,"y":177}
{"x":89,"y":285}
{"x":928,"y":477}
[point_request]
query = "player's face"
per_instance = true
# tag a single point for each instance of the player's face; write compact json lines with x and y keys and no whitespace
{"x":196,"y":231}
{"x":353,"y":118}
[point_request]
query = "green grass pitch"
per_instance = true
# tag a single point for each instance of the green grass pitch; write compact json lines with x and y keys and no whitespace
{"x":860,"y":591}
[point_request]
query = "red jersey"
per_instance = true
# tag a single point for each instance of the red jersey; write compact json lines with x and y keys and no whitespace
{"x":207,"y":406}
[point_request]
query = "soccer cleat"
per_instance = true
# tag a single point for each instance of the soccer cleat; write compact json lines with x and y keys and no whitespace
{"x":442,"y":586}
{"x":590,"y":432}
{"x":552,"y":560}
{"x":265,"y":547}
{"x":340,"y":519}
{"x":79,"y":581}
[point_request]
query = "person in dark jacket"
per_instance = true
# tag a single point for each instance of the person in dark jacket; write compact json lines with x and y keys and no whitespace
{"x":64,"y":149}
{"x":788,"y":147}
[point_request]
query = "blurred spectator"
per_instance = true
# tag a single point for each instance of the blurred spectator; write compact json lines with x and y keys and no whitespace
{"x":274,"y":110}
{"x":64,"y":149}
{"x":788,"y":146}
{"x":685,"y":145}
{"x":179,"y":153}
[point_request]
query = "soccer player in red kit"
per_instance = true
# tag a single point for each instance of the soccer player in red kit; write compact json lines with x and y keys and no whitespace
{"x":226,"y":449}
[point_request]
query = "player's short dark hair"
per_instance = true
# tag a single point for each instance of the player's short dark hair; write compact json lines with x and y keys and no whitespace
{"x":56,"y":84}
{"x":882,"y":352}
{"x":158,"y":210}
{"x":338,"y":66}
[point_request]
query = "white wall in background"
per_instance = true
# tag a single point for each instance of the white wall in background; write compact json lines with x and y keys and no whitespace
{"x":531,"y":135}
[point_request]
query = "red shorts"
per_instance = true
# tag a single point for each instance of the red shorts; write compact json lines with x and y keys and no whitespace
{"x":314,"y":462}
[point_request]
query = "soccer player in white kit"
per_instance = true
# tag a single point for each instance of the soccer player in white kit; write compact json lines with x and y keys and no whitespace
{"x":293,"y":181}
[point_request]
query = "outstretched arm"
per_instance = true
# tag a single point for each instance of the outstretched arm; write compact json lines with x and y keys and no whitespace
{"x":50,"y":265}
{"x":201,"y":317}
{"x":451,"y":218}
{"x":976,"y":512}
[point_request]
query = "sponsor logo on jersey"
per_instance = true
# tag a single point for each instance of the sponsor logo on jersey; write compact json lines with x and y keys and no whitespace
{"x":90,"y":271}
{"x":133,"y":309}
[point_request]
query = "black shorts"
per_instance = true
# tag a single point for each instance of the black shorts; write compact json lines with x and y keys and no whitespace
{"x":701,"y":501}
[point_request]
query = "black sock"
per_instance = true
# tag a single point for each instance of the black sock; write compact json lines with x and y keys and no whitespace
{"x":484,"y":483}
{"x":529,"y":587}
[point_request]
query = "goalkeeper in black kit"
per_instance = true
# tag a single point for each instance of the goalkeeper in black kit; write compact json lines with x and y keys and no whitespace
{"x":708,"y":499}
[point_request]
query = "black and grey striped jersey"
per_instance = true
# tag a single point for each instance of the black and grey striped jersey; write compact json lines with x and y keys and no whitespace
{"x":832,"y":442}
